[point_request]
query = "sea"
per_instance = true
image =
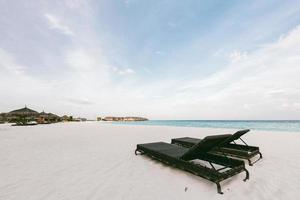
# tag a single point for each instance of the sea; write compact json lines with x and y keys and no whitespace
{"x":268,"y":125}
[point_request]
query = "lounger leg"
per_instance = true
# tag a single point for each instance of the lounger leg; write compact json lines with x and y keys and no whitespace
{"x":250,"y":163}
{"x":219,"y":188}
{"x":247,"y":174}
{"x":260,"y":155}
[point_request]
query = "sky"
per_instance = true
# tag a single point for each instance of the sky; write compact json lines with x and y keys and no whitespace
{"x":159,"y":59}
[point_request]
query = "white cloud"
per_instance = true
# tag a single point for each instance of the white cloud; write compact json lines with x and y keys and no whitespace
{"x":260,"y":85}
{"x":18,"y":87}
{"x":82,"y":60}
{"x":125,"y":71}
{"x":237,"y":56}
{"x":218,"y":52}
{"x":80,"y":101}
{"x":8,"y":65}
{"x":56,"y":23}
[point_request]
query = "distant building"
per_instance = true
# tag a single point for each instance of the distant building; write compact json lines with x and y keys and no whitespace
{"x":66,"y":118}
{"x":79,"y":119}
{"x":123,"y":119}
{"x":113,"y":119}
{"x":47,"y":118}
{"x":135,"y":119}
{"x":25,"y":115}
{"x":22,"y":115}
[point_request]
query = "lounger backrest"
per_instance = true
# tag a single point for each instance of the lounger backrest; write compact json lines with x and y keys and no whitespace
{"x":204,"y":146}
{"x":235,"y":136}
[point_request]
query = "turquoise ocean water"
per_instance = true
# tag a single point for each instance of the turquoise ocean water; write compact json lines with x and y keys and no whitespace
{"x":269,"y":125}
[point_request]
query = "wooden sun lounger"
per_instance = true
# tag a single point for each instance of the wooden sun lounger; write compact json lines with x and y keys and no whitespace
{"x":228,"y":147}
{"x":220,"y":168}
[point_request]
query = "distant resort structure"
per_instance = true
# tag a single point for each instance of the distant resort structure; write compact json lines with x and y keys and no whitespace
{"x":26,"y":116}
{"x":121,"y":119}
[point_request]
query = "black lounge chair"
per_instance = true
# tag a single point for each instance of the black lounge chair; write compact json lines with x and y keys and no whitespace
{"x":228,"y":147}
{"x":186,"y":159}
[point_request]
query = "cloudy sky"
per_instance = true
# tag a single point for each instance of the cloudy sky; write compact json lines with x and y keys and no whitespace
{"x":160,"y":59}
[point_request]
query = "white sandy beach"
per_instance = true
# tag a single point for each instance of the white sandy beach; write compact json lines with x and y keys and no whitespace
{"x":95,"y":160}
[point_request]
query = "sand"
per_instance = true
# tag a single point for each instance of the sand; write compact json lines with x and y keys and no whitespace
{"x":94,"y":160}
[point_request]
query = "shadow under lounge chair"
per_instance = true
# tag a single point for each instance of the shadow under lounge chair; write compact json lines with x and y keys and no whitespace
{"x":187,"y":159}
{"x":228,"y":147}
